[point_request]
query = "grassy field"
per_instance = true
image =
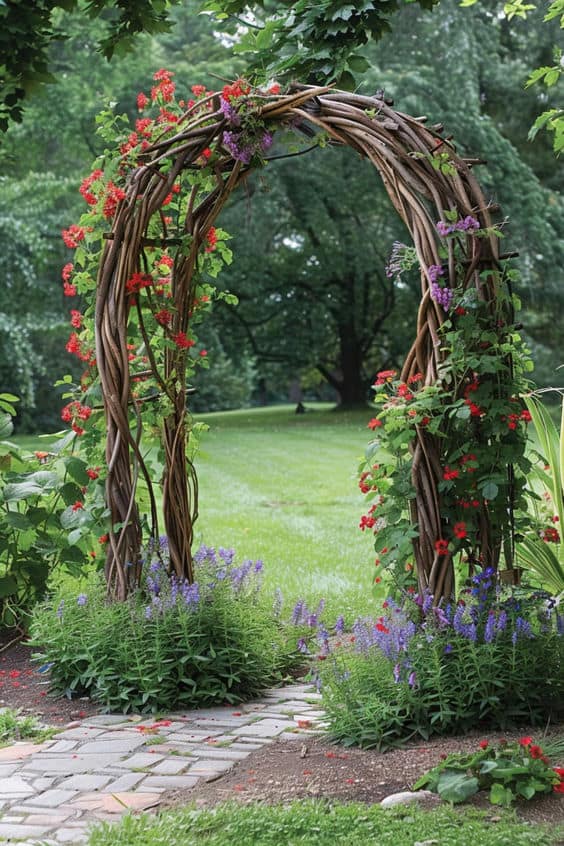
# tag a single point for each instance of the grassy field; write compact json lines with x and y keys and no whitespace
{"x":282,"y":487}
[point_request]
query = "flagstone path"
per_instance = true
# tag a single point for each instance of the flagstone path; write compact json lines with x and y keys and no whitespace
{"x":104,"y":766}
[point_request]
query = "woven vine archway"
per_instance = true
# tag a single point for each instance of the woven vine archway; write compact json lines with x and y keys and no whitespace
{"x":404,"y":152}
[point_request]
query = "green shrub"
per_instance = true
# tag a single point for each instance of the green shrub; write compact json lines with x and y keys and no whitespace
{"x":491,"y":660}
{"x":43,"y":522}
{"x":171,"y":644}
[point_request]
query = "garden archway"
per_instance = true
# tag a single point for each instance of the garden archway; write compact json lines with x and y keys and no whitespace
{"x":427,"y":182}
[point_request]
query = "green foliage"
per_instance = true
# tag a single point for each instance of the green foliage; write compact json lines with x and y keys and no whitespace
{"x":474,"y":413}
{"x":28,"y":29}
{"x":317,"y":823}
{"x":43,"y":524}
{"x":543,"y":553}
{"x":318,"y":42}
{"x":170,"y":644}
{"x":509,"y":771}
{"x":13,"y":727}
{"x":477,"y":663}
{"x":225,"y":384}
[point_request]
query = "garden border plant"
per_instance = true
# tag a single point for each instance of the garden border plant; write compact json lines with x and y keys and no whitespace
{"x":150,"y":231}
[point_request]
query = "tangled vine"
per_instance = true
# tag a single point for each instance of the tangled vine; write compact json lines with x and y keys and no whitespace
{"x":204,"y":155}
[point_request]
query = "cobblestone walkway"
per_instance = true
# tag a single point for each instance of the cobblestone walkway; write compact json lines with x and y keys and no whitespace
{"x":100,"y":767}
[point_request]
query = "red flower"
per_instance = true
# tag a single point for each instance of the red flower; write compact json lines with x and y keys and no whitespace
{"x":203,"y":353}
{"x":162,"y":74}
{"x":475,"y":410}
{"x":274,"y":88}
{"x":374,"y":423}
{"x":449,"y":474}
{"x":459,"y":530}
{"x":385,"y":376}
{"x":142,"y":101}
{"x":526,"y":416}
{"x":114,"y":196}
{"x":535,"y":751}
{"x":77,"y":505}
{"x":73,"y":235}
{"x":417,"y":377}
{"x":76,"y":319}
{"x":137,"y":282}
{"x":525,"y":741}
{"x":93,"y":474}
{"x":67,"y":271}
{"x":484,"y":744}
{"x":441,"y":547}
{"x":366,"y":522}
{"x":182,"y":341}
{"x":198,"y":90}
{"x":103,"y":538}
{"x":559,"y":788}
{"x":211,"y":239}
{"x":550,"y":535}
{"x":164,"y":317}
{"x":238,"y":89}
{"x":69,"y":290}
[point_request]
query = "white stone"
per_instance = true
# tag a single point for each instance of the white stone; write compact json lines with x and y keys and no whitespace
{"x":406,"y":797}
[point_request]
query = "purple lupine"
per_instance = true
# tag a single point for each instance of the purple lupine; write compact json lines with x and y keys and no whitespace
{"x":259,"y":566}
{"x":302,"y":646}
{"x":190,"y":593}
{"x":501,"y":624}
{"x":226,"y":555}
{"x":297,"y":613}
{"x":81,"y":599}
{"x":490,"y":627}
{"x":412,"y":679}
{"x":60,"y":609}
{"x":397,"y":673}
{"x":340,"y":625}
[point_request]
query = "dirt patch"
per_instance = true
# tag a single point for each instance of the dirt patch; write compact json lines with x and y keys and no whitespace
{"x":24,"y":686}
{"x":288,"y":770}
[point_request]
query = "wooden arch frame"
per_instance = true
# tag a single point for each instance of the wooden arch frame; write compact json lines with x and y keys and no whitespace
{"x":405,"y":152}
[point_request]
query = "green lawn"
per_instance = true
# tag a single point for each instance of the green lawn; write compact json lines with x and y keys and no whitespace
{"x":323,"y":823}
{"x":283,"y":487}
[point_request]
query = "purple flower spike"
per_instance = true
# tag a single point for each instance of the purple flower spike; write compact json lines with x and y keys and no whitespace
{"x":442,"y":296}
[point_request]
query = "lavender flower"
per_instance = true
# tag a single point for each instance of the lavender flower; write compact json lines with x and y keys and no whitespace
{"x":302,"y":646}
{"x":340,"y":625}
{"x":412,"y":680}
{"x":81,"y":599}
{"x":60,"y":609}
{"x":490,"y":628}
{"x":226,"y":555}
{"x":469,"y":224}
{"x":442,"y":296}
{"x":231,"y":140}
{"x":230,"y":113}
{"x":434,"y":271}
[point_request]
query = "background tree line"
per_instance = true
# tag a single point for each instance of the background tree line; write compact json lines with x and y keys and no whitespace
{"x":312,"y":233}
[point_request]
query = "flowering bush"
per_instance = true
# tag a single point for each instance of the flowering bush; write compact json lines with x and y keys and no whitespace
{"x":473,"y":414}
{"x":172,"y":643}
{"x":423,"y":669}
{"x":517,"y":770}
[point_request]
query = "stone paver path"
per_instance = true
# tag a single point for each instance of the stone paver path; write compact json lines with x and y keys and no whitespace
{"x":101,"y":767}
